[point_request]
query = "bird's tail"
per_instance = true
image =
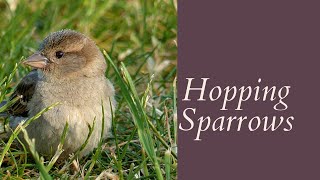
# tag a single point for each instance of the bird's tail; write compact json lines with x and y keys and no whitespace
{"x":3,"y":119}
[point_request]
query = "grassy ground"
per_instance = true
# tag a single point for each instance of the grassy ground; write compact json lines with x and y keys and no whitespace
{"x":139,"y":38}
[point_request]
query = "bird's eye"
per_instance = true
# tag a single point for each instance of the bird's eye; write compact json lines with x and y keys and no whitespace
{"x":59,"y":54}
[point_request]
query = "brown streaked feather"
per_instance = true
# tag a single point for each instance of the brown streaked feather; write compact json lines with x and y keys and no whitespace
{"x":24,"y":90}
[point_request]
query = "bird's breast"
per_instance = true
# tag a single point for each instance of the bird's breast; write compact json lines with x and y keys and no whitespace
{"x":78,"y":99}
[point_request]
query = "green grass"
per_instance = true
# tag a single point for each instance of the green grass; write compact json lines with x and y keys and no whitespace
{"x":138,"y":39}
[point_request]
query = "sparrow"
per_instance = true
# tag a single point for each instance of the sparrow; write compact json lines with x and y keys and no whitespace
{"x":68,"y":68}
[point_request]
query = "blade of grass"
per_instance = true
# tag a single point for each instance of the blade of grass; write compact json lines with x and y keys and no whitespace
{"x":140,"y":118}
{"x":167,"y":162}
{"x":43,"y":171}
{"x":175,"y":121}
{"x":59,"y":148}
{"x":99,"y":148}
{"x":118,"y":162}
{"x":144,"y":163}
{"x":8,"y":104}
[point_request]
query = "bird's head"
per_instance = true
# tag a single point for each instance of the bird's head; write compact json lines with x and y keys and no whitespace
{"x":67,"y":53}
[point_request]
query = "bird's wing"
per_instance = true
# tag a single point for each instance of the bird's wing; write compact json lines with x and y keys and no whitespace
{"x":24,"y":91}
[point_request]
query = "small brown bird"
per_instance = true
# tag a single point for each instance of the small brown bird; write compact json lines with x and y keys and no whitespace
{"x":70,"y":69}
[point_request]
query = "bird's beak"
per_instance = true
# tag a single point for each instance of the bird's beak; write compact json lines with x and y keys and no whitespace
{"x":37,"y":61}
